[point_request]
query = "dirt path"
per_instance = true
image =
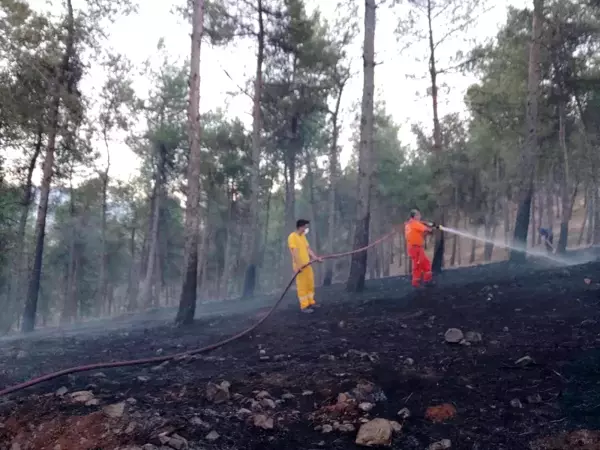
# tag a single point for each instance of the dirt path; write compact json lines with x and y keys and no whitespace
{"x":385,"y":348}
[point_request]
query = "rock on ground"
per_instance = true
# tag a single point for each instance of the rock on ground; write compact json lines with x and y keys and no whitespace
{"x":377,"y":432}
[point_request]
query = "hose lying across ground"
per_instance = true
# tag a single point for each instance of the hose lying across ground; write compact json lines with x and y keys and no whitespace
{"x":208,"y":348}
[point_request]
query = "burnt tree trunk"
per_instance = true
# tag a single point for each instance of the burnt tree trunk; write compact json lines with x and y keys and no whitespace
{"x":254,"y":241}
{"x":29,"y":314}
{"x":333,"y":182}
{"x":187,"y":301}
{"x":15,"y":291}
{"x":358,"y":265}
{"x":529,"y":154}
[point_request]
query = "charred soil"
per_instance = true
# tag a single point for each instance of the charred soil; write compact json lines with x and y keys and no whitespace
{"x":525,"y":372}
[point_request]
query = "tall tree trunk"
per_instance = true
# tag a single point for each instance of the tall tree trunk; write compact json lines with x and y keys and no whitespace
{"x":358,"y":265}
{"x":568,"y":197}
{"x":102,"y":298}
{"x":187,"y":302}
{"x":532,"y":219}
{"x":585,"y":219}
{"x":473,"y":246}
{"x":529,"y":154}
{"x":133,"y":282}
{"x":333,"y":182}
{"x":227,"y":264}
{"x":437,"y":263}
{"x":290,"y":211}
{"x":20,"y":267}
{"x":254,"y":241}
{"x":541,"y":212}
{"x":145,"y":292}
{"x":31,"y":304}
{"x":316,"y":239}
{"x":456,"y":224}
{"x":506,"y":214}
{"x":69,"y":311}
{"x":549,"y":203}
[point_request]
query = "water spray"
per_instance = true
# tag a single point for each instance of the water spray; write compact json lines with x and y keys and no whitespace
{"x":496,"y":243}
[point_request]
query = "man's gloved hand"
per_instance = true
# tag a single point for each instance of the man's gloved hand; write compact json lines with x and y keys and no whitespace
{"x":431,"y":224}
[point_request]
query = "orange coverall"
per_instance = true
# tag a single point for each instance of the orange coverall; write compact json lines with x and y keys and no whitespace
{"x":414,"y":232}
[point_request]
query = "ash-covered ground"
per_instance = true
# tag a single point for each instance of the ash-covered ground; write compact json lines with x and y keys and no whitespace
{"x":523,"y":374}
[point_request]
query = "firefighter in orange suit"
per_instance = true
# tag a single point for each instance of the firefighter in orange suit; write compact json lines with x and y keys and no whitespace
{"x":414,"y":232}
{"x":302,"y":255}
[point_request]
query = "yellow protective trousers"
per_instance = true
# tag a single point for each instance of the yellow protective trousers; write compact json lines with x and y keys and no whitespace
{"x":305,"y":284}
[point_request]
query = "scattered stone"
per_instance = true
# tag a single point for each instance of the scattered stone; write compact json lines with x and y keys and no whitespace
{"x":242,"y":413}
{"x":218,"y":393}
{"x":473,"y":337}
{"x":114,"y":411}
{"x":307,"y":393}
{"x":326,"y":429}
{"x":255,"y":405}
{"x":327,"y":357}
{"x":15,"y":446}
{"x":61,"y":391}
{"x":264,"y":422}
{"x":409,"y":362}
{"x":279,"y":357}
{"x":131,"y":401}
{"x":516,"y":403}
{"x":262,"y":394}
{"x":143,"y":379}
{"x":82,"y":396}
{"x":262,"y":352}
{"x":377,"y":432}
{"x":440,"y":413}
{"x":288,"y":396}
{"x":150,"y":447}
{"x":524,"y":361}
{"x":440,"y":445}
{"x":453,"y":336}
{"x":212,"y":436}
{"x":268,"y":403}
{"x":131,"y":428}
{"x":587,"y":281}
{"x":404,"y":413}
{"x":533,"y":399}
{"x":396,"y":426}
{"x":198,"y":422}
{"x":366,"y":391}
{"x":345,"y":428}
{"x":366,"y":406}
{"x":177,"y":442}
{"x":93,"y":402}
{"x":99,"y":375}
{"x":588,"y":322}
{"x":505,"y":329}
{"x":21,"y":354}
{"x":265,"y":358}
{"x":465,"y":343}
{"x":581,"y":439}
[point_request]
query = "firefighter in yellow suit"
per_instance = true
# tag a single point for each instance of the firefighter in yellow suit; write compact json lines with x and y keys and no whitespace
{"x":301,"y":255}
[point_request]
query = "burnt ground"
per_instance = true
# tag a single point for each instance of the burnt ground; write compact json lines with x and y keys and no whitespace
{"x":388,"y":340}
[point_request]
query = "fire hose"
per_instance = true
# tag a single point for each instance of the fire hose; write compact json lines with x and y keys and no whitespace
{"x":182,"y":355}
